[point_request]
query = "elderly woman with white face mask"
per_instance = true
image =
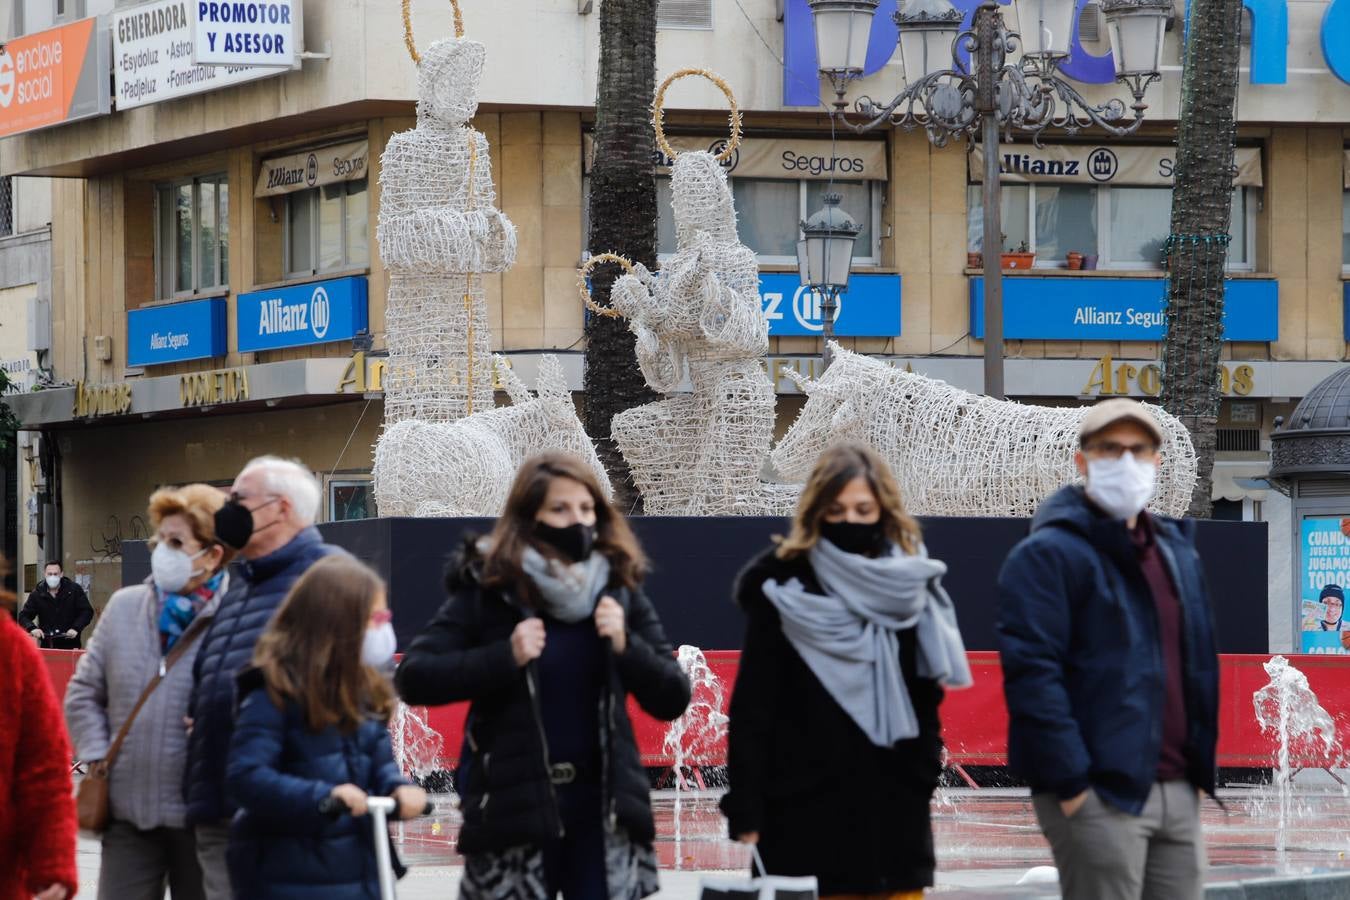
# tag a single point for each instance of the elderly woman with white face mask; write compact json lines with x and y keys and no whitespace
{"x":149,"y":632}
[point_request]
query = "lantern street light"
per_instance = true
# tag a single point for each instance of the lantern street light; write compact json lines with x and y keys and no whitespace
{"x":824,"y":258}
{"x":948,"y":97}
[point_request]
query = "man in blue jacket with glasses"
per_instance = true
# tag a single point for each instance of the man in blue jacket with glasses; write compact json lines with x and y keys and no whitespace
{"x":1110,"y":672}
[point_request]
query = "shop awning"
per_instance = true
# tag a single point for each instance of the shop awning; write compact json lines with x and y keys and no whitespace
{"x":313,"y":168}
{"x":1240,"y":480}
{"x":809,"y":159}
{"x":1088,"y":164}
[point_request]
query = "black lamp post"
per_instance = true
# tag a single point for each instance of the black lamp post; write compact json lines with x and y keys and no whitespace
{"x":993,"y":96}
{"x":825,"y":256}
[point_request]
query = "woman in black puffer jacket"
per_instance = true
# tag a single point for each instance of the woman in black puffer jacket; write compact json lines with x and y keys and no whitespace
{"x":546,"y":632}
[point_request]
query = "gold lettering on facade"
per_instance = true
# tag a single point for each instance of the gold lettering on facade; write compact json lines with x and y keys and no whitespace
{"x":211,"y":388}
{"x":363,"y":374}
{"x":1110,"y":380}
{"x":101,"y":399}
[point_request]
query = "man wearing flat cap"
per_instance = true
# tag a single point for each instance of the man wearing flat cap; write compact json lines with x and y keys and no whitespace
{"x":1110,"y":672}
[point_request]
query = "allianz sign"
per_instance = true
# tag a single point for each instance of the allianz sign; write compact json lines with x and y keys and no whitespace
{"x":302,"y":314}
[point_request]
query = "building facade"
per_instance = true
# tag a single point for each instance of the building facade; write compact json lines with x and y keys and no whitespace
{"x":216,"y":292}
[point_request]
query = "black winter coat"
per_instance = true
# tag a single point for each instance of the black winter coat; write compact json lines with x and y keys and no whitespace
{"x":67,"y":610}
{"x":257,"y":588}
{"x":281,"y":847}
{"x":825,"y":800}
{"x":1082,"y":666}
{"x":506,"y":795}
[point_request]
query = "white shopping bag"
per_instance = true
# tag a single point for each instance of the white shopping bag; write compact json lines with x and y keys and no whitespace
{"x":764,"y":887}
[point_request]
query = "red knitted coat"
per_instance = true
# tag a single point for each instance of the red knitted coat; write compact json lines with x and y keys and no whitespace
{"x":37,"y":810}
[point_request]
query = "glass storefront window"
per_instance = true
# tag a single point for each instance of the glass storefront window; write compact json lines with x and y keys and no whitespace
{"x":1141,"y":219}
{"x":768,"y":213}
{"x":349,"y":500}
{"x":1012,"y":217}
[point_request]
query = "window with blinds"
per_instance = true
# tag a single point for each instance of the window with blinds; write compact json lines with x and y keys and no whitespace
{"x":695,"y":14}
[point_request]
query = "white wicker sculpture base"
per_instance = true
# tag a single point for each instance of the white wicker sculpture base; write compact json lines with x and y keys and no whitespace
{"x":465,"y":468}
{"x":438,"y":232}
{"x":701,"y":453}
{"x":956,"y":453}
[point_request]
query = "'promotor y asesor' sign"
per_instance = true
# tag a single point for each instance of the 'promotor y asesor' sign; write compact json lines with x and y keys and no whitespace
{"x":246,"y":32}
{"x":153,"y":56}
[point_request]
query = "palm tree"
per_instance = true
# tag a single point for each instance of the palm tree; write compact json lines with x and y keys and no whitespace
{"x":623,"y":219}
{"x":1197,"y":249}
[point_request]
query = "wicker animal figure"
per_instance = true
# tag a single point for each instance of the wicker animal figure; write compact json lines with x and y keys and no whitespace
{"x":700,"y":453}
{"x":439,"y":231}
{"x":956,"y":453}
{"x":465,"y":468}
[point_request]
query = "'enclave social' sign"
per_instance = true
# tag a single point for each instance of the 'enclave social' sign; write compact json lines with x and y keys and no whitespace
{"x":52,"y":77}
{"x":1118,"y":309}
{"x":315,"y":313}
{"x":870,"y":308}
{"x":176,"y":332}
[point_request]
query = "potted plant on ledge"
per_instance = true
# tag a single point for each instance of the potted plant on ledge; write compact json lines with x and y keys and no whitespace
{"x":1021,"y":258}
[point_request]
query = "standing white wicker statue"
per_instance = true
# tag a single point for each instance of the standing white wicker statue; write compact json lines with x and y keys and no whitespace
{"x":446,"y":450}
{"x":955,"y":453}
{"x":439,"y":231}
{"x":698,"y":453}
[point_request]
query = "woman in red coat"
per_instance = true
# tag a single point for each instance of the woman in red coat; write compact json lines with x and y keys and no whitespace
{"x":37,"y":810}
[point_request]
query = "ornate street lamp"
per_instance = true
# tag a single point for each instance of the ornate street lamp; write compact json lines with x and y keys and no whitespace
{"x":991,"y":95}
{"x":824,"y":258}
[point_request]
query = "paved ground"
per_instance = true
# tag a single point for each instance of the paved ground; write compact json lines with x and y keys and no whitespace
{"x":986,"y":839}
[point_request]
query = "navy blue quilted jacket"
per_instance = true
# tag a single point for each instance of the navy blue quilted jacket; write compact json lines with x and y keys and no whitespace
{"x":281,"y":848}
{"x":1082,"y":662}
{"x":257,"y":588}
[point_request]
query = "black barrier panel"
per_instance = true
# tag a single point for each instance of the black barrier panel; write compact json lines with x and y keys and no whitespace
{"x":695,"y":561}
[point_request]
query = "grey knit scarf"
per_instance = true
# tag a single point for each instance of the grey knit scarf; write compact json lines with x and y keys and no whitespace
{"x":568,"y":593}
{"x":848,"y":635}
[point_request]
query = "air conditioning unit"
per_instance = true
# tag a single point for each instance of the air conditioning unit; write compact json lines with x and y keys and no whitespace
{"x":103,"y":348}
{"x":685,"y":14}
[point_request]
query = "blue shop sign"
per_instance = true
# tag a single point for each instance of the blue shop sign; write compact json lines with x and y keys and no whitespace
{"x":1346,"y":315}
{"x":870,"y":308}
{"x":314,"y":313}
{"x":1118,"y":309}
{"x":176,"y":332}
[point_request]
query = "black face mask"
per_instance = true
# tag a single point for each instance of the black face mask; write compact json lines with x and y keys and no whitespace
{"x":234,"y":524}
{"x":856,"y":537}
{"x":574,"y":542}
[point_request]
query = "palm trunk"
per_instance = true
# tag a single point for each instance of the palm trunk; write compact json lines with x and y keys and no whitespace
{"x":1198,"y":246}
{"x":623,"y":220}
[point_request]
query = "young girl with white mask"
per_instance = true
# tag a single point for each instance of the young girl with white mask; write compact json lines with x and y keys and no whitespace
{"x":147,"y":630}
{"x":313,"y":724}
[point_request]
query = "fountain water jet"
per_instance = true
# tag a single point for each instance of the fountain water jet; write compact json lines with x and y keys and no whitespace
{"x":1288,"y":709}
{"x":696,"y":737}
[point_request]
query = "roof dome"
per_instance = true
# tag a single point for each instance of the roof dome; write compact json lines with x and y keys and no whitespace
{"x":1315,"y":439}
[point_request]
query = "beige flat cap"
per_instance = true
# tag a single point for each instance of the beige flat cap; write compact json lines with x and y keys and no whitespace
{"x":1118,"y":409}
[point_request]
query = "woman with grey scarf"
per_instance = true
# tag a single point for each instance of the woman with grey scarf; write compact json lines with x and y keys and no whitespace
{"x":546,"y":633}
{"x":835,"y":745}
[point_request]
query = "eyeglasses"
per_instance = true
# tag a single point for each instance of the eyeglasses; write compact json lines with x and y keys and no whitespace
{"x":1113,"y":449}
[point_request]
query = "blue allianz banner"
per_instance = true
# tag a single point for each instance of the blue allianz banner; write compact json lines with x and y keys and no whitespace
{"x":1346,"y":317}
{"x":1118,"y":309}
{"x":176,"y":332}
{"x":313,"y":313}
{"x":871,"y":308}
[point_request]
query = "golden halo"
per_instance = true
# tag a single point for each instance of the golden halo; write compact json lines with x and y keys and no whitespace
{"x":659,"y":112}
{"x":408,"y":29}
{"x":585,"y":270}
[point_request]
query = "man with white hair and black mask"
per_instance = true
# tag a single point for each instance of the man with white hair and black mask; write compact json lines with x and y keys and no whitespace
{"x":269,"y":519}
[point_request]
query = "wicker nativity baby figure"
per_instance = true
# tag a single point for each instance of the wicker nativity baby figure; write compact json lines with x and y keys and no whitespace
{"x":835,"y":745}
{"x":439,"y":231}
{"x":546,"y":632}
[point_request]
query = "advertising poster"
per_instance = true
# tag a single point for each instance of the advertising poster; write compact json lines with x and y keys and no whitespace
{"x":53,"y":77}
{"x":1325,"y":577}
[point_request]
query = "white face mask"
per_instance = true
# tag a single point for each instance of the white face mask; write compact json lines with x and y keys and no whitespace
{"x":378,"y":646}
{"x":1122,"y":487}
{"x":172,"y":569}
{"x":53,"y":581}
